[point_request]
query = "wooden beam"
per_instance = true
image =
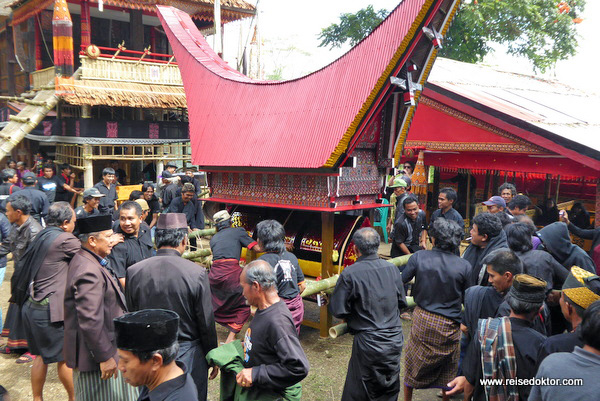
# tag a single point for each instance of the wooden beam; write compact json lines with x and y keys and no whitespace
{"x":486,"y":188}
{"x":326,"y":266}
{"x":10,"y":59}
{"x":136,"y":30}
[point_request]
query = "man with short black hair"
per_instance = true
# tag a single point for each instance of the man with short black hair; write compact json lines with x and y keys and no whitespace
{"x":190,"y":173}
{"x":487,"y":235}
{"x":581,"y":364}
{"x":446,"y":200}
{"x":189,"y":205}
{"x":482,"y":302}
{"x":64,"y":188}
{"x":507,"y":191}
{"x":107,"y":187}
{"x":147,"y":343}
{"x":518,"y":205}
{"x":23,"y":231}
{"x":137,"y":240}
{"x":441,"y":278}
{"x":39,"y":200}
{"x":9,"y":184}
{"x":41,"y":290}
{"x":153,"y":204}
{"x":47,"y":183}
{"x":93,"y":298}
{"x":410,"y":229}
{"x":167,"y":281}
{"x":374,"y":367}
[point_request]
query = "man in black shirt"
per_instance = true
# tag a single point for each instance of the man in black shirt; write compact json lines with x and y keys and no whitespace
{"x":108,"y":204}
{"x":64,"y":188}
{"x":446,"y":200}
{"x":39,"y":200}
{"x":410,"y":229}
{"x":518,"y":205}
{"x":167,"y":281}
{"x":170,"y":191}
{"x":400,"y":187}
{"x":273,"y":356}
{"x":153,"y":204}
{"x":190,"y":173}
{"x":147,"y":347}
{"x":487,"y":235}
{"x":47,"y":182}
{"x":290,"y":278}
{"x":368,"y":296}
{"x":9,"y":184}
{"x":137,"y":241}
{"x":229,"y":305}
{"x":441,"y":279}
{"x":91,"y":200}
{"x":188,"y":205}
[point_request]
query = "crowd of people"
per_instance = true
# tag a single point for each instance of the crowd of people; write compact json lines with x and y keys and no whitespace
{"x":518,"y":293}
{"x":104,"y":292}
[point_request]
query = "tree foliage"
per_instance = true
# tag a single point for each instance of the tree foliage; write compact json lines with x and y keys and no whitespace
{"x":352,"y":27}
{"x":543,"y":31}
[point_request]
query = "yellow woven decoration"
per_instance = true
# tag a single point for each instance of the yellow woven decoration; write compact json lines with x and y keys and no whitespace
{"x":582,"y":296}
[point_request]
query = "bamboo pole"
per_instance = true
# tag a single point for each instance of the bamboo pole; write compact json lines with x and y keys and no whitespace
{"x":400,"y":260}
{"x":314,"y":287}
{"x":342,"y":328}
{"x":202,"y":233}
{"x":196,"y":254}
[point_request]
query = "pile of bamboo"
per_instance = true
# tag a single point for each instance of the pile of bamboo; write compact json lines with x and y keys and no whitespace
{"x":29,"y":118}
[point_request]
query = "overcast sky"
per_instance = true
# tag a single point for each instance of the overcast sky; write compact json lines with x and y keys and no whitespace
{"x":289,"y":31}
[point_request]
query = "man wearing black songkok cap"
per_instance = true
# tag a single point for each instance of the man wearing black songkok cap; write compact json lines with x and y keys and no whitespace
{"x":509,"y":345}
{"x":147,"y":343}
{"x":93,"y":298}
{"x":167,"y":281}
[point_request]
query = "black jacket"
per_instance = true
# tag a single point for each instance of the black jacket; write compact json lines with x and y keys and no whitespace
{"x":556,"y":239}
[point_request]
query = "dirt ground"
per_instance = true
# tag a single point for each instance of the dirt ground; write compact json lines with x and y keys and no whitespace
{"x":328,"y":359}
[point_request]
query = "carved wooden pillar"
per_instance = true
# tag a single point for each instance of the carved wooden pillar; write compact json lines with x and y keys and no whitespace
{"x":326,"y":266}
{"x":86,"y":27}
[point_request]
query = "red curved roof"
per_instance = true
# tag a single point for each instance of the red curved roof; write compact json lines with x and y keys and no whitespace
{"x":302,"y":123}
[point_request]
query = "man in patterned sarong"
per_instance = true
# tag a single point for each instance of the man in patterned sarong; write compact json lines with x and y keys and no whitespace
{"x":229,"y":304}
{"x":441,"y":279}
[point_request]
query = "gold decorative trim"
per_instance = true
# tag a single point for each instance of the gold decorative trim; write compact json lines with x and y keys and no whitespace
{"x":408,"y":119}
{"x":343,"y":144}
{"x":471,"y":146}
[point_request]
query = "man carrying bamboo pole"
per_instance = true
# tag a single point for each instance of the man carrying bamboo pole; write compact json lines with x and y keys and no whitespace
{"x":229,"y":304}
{"x":373,"y":318}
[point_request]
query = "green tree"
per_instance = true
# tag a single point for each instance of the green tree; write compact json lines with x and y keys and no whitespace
{"x":352,"y":27}
{"x":543,"y":31}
